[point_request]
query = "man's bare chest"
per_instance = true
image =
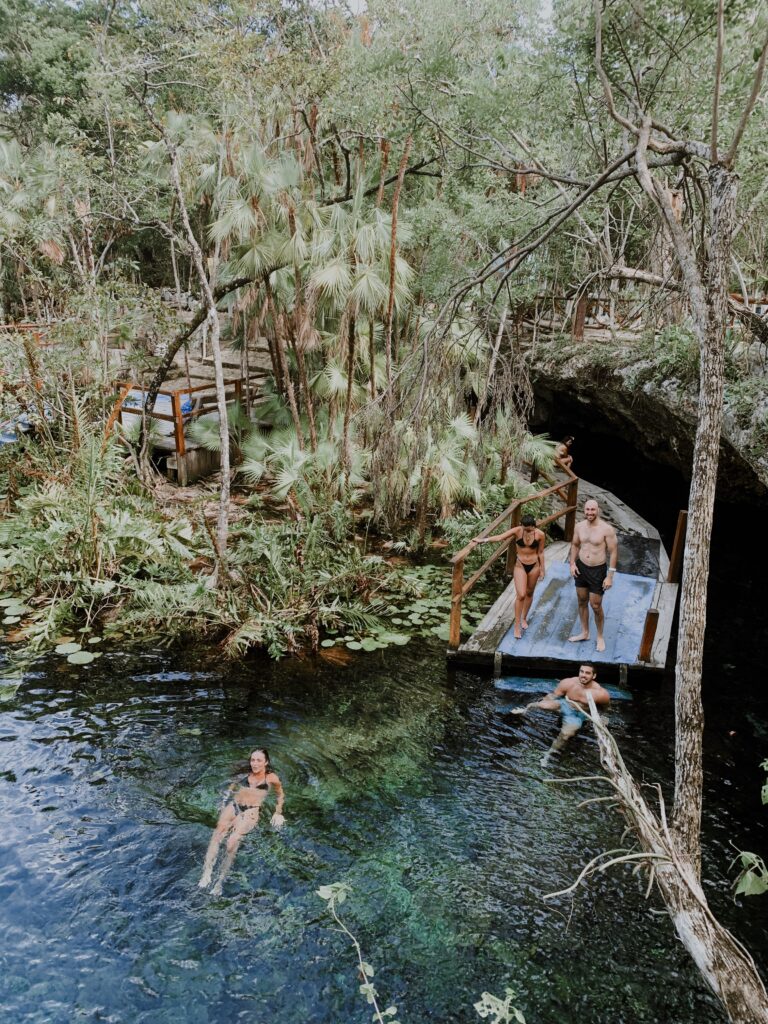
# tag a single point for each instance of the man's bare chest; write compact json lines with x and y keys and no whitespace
{"x":594,"y":535}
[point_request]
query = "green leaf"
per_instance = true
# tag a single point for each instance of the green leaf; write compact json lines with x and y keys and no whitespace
{"x":72,"y":648}
{"x":327,"y":643}
{"x":354,"y":645}
{"x":367,"y":969}
{"x":81,"y":658}
{"x":752,"y":884}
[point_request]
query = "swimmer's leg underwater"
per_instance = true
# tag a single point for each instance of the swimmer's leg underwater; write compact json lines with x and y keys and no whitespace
{"x":244,"y":823}
{"x":226,"y":820}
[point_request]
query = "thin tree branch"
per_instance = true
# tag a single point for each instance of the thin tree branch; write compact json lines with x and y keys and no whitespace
{"x":757,"y":82}
{"x":718,"y":76}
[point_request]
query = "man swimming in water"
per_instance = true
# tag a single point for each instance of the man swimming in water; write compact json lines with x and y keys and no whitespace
{"x":569,"y":697}
{"x":594,"y":553}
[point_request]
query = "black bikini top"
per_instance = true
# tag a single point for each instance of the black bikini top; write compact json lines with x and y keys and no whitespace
{"x":531,"y":547}
{"x":248,"y":785}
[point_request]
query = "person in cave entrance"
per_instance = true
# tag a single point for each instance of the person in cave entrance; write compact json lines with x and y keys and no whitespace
{"x":529,"y":566}
{"x":240,"y":815}
{"x":594,"y":553}
{"x":569,"y":697}
{"x":563,"y":451}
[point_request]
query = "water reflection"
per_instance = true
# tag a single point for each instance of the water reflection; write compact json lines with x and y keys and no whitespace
{"x":423,"y":793}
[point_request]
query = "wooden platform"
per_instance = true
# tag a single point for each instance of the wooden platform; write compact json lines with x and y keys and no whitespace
{"x":639,"y":585}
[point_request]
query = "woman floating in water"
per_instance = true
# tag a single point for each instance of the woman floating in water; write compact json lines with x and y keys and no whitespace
{"x":241,"y":814}
{"x":529,"y":566}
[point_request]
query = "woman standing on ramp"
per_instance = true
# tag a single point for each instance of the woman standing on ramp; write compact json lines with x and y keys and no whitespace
{"x":529,"y":567}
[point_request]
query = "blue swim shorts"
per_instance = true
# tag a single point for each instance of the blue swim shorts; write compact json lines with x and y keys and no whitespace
{"x":571,"y":715}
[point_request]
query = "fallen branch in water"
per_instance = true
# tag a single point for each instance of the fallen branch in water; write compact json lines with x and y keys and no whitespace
{"x":724,"y":963}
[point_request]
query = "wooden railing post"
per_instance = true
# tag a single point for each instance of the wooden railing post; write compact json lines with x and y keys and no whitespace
{"x":514,"y":520}
{"x":457,"y":585}
{"x":649,"y":634}
{"x":178,"y":424}
{"x":678,"y":546}
{"x":579,"y":317}
{"x":573,"y":501}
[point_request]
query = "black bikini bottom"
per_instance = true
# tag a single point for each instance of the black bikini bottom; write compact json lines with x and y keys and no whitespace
{"x":526,"y":566}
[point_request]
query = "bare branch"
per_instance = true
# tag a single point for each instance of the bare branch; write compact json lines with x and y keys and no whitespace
{"x":604,"y":81}
{"x":757,"y":82}
{"x":718,"y":76}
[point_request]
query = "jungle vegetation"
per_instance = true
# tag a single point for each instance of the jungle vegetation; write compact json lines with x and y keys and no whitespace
{"x":382,"y":195}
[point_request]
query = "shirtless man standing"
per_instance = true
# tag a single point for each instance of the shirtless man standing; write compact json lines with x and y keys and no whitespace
{"x":594,"y":551}
{"x":567,"y":693}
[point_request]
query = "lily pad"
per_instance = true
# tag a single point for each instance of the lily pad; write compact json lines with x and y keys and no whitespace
{"x":369,"y":644}
{"x":8,"y":601}
{"x":400,"y":639}
{"x":10,"y":619}
{"x":70,"y":648}
{"x":95,"y":639}
{"x":327,"y":643}
{"x":354,"y":645}
{"x":81,"y":658}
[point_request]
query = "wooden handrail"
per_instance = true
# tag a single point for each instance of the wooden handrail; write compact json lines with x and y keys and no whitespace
{"x":176,"y":416}
{"x":460,"y":588}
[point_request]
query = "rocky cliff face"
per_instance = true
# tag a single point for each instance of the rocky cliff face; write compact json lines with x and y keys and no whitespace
{"x":647,"y":397}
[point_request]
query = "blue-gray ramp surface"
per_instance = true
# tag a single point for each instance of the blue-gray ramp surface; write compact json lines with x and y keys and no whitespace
{"x":554,"y":618}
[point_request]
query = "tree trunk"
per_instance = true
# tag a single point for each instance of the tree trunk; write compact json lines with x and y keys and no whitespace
{"x":212,"y":319}
{"x":693,"y":600}
{"x":345,"y":447}
{"x":393,"y":258}
{"x":724,"y":964}
{"x":282,"y":364}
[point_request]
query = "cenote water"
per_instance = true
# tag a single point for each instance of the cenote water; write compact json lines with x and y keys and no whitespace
{"x":418,"y":789}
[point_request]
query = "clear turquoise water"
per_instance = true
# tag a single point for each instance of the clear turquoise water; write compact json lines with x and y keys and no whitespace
{"x":419,"y":790}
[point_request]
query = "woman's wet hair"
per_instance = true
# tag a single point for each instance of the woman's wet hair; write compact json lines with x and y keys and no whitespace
{"x":528,"y":520}
{"x":568,"y":440}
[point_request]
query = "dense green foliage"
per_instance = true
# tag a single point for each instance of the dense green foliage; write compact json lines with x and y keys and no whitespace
{"x":358,"y":184}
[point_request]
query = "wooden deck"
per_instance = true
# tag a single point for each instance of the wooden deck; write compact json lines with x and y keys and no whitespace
{"x":639,"y":585}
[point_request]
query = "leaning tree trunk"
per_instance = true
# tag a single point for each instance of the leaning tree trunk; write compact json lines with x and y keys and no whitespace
{"x":724,"y":963}
{"x":212,"y":319}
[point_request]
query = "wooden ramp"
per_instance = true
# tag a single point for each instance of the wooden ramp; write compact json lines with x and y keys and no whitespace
{"x":639,"y":595}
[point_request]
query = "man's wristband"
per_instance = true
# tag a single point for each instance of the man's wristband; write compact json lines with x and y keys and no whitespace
{"x":611,"y":570}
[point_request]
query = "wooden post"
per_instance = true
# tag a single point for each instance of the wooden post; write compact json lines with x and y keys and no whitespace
{"x":178,"y":424}
{"x":579,"y":317}
{"x":457,"y":584}
{"x":676,"y":561}
{"x":649,"y":634}
{"x":570,"y":518}
{"x":514,"y":520}
{"x":534,"y":473}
